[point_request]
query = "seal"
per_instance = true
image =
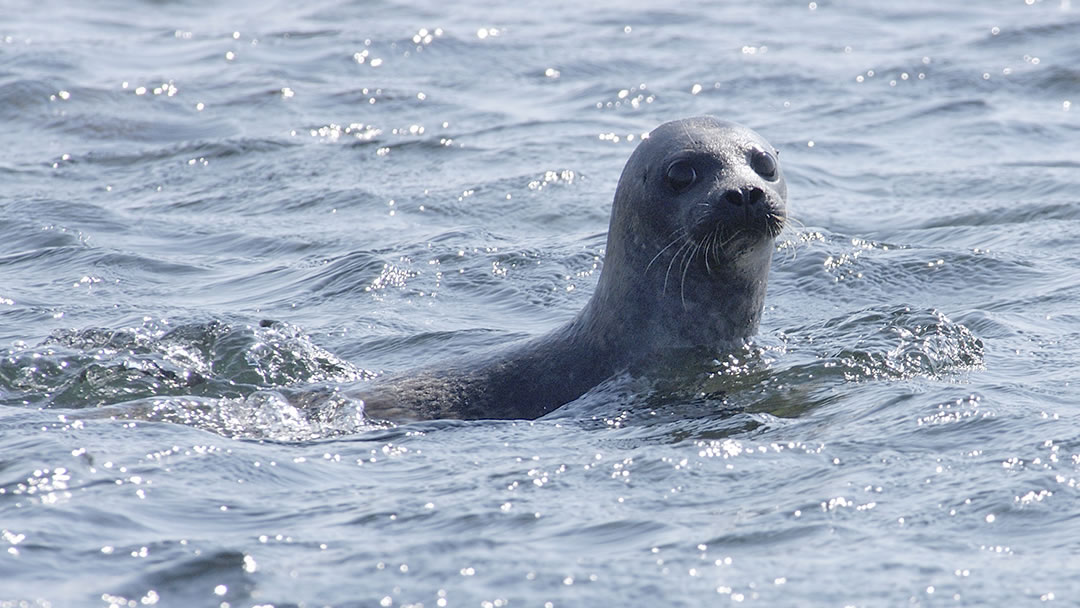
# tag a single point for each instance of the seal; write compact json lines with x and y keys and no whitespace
{"x":696,"y":212}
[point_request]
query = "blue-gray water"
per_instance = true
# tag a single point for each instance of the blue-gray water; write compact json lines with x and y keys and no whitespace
{"x":393,"y":183}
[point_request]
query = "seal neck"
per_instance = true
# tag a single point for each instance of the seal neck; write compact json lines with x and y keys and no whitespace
{"x":635,"y":314}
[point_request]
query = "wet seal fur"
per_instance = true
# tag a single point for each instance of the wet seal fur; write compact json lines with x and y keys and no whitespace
{"x":696,"y":212}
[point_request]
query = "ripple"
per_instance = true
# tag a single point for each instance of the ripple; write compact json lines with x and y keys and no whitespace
{"x":20,"y":95}
{"x":191,"y":146}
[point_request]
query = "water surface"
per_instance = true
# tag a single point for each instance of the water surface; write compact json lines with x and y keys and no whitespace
{"x":205,"y":203}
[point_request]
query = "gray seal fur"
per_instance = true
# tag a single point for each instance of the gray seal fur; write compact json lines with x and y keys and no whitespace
{"x":696,"y":212}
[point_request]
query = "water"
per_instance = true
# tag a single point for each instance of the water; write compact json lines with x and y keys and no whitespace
{"x":203,"y":201}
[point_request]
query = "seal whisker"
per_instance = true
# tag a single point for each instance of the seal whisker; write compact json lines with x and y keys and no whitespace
{"x":788,"y":222}
{"x":731,"y":238}
{"x":674,"y":256}
{"x":793,"y":228}
{"x":775,"y":223}
{"x":688,"y":133}
{"x":715,"y":246}
{"x":705,"y":254}
{"x":673,"y":241}
{"x":686,"y":267}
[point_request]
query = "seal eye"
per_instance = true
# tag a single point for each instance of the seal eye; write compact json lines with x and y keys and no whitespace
{"x":764,"y":164}
{"x":680,"y":175}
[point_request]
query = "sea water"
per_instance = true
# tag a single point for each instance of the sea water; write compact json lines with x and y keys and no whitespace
{"x":205,"y":206}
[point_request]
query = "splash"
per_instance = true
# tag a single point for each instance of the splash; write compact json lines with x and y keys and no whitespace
{"x":899,"y":343}
{"x":235,"y":380}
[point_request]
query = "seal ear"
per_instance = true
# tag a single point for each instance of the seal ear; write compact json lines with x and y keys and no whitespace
{"x":645,"y":176}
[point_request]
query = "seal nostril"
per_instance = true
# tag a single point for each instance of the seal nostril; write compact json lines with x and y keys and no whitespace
{"x":749,"y":195}
{"x":734,"y":197}
{"x":754,"y":195}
